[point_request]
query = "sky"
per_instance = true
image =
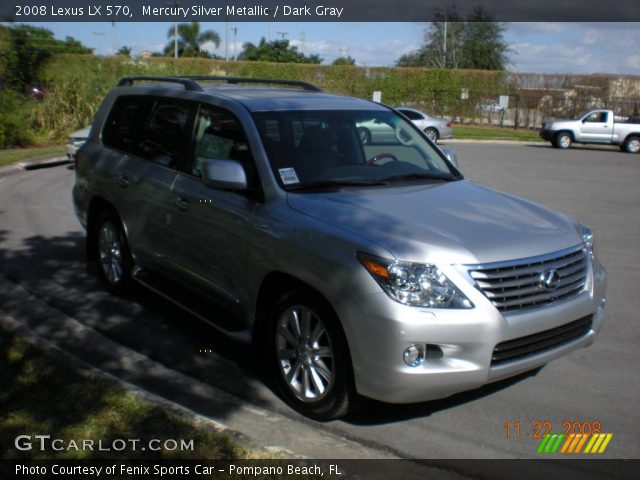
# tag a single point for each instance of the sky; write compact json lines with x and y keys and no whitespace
{"x":546,"y":47}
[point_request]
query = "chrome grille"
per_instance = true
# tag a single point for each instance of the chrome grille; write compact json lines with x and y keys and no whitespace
{"x":518,"y":285}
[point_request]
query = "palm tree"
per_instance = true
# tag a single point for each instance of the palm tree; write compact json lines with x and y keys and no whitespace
{"x":190,"y":40}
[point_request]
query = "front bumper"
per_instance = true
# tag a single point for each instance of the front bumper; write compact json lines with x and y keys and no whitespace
{"x":547,"y":135}
{"x":379,"y":330}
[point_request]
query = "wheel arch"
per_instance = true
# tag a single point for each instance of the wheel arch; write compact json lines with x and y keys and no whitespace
{"x":570,"y":132}
{"x":273,"y":285}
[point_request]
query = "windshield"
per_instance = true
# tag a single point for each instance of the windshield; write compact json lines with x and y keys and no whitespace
{"x":347,"y":148}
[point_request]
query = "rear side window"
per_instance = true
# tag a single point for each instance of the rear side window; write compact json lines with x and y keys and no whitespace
{"x":411,"y":115}
{"x":119,"y":131}
{"x":164,"y":134}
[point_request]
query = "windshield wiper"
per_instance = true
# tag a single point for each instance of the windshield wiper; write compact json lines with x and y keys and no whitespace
{"x":334,"y":184}
{"x":419,"y":176}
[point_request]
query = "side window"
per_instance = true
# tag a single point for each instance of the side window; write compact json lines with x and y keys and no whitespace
{"x":411,"y":115}
{"x":219,"y":135}
{"x":119,"y":131}
{"x":597,"y":117}
{"x":164,"y":132}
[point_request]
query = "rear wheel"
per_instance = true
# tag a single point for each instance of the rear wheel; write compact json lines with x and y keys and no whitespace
{"x":309,"y":356}
{"x":114,"y":258}
{"x":632,"y":144}
{"x":562,"y":140}
{"x":432,"y":134}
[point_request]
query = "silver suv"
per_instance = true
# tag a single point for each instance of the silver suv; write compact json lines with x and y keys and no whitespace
{"x":361,"y":269}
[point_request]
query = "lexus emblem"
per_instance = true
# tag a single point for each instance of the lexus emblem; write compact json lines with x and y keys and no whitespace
{"x":549,"y":280}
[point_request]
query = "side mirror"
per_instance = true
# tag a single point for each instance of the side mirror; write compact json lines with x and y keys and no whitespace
{"x":451,"y":155}
{"x":224,"y":175}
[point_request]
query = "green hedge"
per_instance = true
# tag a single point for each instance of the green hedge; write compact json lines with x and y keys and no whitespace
{"x":76,"y":84}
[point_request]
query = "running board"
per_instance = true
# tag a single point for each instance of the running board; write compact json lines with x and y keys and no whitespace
{"x":195,"y":304}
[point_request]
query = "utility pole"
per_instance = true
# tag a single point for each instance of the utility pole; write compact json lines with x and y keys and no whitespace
{"x":282,"y":33}
{"x":226,"y":41}
{"x":98,"y":35}
{"x":235,"y":32}
{"x":444,"y":50}
{"x":174,"y":3}
{"x":113,"y":38}
{"x":303,"y":42}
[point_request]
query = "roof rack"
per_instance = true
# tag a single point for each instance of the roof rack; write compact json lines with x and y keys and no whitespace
{"x":188,"y":83}
{"x":235,"y":80}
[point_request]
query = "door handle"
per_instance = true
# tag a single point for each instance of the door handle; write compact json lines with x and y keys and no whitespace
{"x":122,"y":180}
{"x":181,"y":203}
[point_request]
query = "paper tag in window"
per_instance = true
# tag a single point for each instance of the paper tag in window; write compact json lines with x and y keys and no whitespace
{"x":288,"y":175}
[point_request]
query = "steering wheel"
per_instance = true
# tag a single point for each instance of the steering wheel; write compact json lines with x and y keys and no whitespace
{"x":381,"y":156}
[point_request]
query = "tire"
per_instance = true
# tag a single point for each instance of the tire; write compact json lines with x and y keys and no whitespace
{"x":562,"y":140}
{"x":309,"y":356}
{"x":632,"y":144}
{"x":365,"y":135}
{"x":113,"y":255}
{"x":432,"y":134}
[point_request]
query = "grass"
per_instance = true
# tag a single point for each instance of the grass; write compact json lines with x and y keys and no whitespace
{"x":8,"y":157}
{"x":494,"y":133}
{"x":43,"y":395}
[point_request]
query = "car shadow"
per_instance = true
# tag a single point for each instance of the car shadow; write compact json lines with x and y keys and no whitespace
{"x":54,"y":270}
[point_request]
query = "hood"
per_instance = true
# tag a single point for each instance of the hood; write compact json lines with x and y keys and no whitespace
{"x":465,"y":222}
{"x":560,"y":123}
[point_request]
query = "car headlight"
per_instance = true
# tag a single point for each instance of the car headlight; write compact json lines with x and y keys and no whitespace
{"x":589,"y":242}
{"x":414,"y":284}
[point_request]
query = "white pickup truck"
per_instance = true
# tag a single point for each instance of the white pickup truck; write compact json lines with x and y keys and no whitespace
{"x":596,"y":126}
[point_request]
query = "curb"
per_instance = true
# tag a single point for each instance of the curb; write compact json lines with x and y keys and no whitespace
{"x":43,"y":162}
{"x":34,"y":164}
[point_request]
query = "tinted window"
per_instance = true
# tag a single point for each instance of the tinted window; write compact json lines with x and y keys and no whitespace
{"x":120,"y":128}
{"x":164,"y":132}
{"x":336,"y":145}
{"x":411,"y":115}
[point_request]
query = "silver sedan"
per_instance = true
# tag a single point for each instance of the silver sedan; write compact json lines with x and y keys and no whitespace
{"x":434,"y":127}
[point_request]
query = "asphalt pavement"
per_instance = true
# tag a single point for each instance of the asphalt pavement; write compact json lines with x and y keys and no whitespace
{"x":42,"y":254}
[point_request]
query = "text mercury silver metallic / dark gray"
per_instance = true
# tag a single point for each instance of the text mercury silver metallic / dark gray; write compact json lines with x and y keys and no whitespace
{"x":359,"y":267}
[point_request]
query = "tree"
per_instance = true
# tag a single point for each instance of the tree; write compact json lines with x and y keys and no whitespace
{"x":451,"y":42}
{"x":125,"y":51}
{"x":483,"y":47}
{"x":190,"y":40}
{"x":275,"y":51}
{"x":348,"y":60}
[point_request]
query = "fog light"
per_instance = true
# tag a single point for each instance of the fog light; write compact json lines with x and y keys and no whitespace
{"x":414,"y":355}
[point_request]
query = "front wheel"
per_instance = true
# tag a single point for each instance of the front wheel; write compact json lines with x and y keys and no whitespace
{"x":632,"y":145}
{"x":310,"y":357}
{"x":563,"y":140}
